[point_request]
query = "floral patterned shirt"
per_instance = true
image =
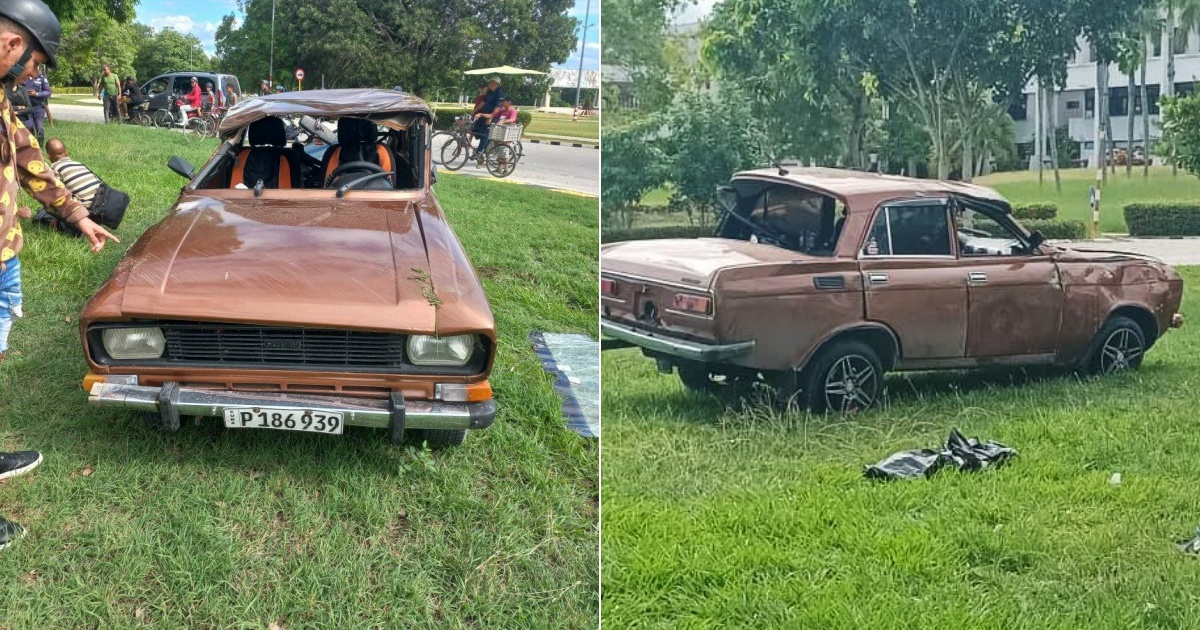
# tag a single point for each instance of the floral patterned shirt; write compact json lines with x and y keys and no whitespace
{"x":22,"y":166}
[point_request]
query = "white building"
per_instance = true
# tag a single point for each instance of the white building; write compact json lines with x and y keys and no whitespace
{"x":1075,"y":104}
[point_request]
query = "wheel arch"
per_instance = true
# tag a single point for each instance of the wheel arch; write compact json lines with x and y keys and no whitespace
{"x":882,"y":339}
{"x":1138,"y":313}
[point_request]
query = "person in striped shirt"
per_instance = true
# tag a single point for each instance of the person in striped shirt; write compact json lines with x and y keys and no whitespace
{"x":78,"y":179}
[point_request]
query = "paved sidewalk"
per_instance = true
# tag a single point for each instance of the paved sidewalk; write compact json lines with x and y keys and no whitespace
{"x":1173,"y":251}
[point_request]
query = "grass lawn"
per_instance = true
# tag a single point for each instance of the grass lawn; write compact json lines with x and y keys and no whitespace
{"x":587,"y":127}
{"x":1022,"y":187}
{"x":757,"y":520}
{"x":210,"y":528}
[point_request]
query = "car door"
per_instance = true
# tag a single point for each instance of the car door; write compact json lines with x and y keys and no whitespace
{"x":157,"y":93}
{"x":1014,"y":295}
{"x":913,"y":279}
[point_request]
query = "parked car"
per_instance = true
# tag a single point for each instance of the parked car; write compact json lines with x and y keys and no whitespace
{"x":158,"y":91}
{"x":819,"y":281}
{"x":287,"y":292}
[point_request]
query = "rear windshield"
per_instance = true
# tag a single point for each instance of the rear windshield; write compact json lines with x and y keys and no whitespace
{"x":784,"y":216}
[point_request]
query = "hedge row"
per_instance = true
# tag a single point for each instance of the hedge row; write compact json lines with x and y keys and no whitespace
{"x":1163,"y":219}
{"x":1050,"y":228}
{"x":444,"y":116}
{"x":70,"y":90}
{"x":1030,"y":211}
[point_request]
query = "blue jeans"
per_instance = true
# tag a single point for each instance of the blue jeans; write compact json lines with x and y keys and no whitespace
{"x":10,"y":299}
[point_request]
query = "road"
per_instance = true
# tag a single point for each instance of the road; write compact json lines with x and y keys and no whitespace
{"x":561,"y":167}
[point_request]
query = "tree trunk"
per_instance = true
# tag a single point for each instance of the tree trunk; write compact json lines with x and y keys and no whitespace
{"x":857,"y":127}
{"x":1145,"y":115}
{"x":1052,"y":117}
{"x":1170,"y":51}
{"x":1129,"y":127}
{"x":968,"y":159}
{"x":1039,"y":138}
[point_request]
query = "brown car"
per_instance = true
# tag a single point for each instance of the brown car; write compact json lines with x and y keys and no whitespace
{"x":301,"y":287}
{"x":821,"y":280}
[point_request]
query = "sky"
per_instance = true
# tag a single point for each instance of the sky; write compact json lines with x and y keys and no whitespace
{"x":201,"y":18}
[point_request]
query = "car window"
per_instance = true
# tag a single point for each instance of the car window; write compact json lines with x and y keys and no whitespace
{"x":157,"y":86}
{"x":784,"y":216}
{"x":910,"y":230}
{"x":978,"y":235}
{"x":182,"y":85}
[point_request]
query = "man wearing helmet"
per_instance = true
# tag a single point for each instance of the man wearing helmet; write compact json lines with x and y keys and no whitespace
{"x":29,"y":36}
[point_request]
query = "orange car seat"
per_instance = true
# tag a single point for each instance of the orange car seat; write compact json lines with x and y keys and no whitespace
{"x":267,"y":158}
{"x":356,"y":142}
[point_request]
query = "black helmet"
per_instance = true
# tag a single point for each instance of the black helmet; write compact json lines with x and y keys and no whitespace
{"x":40,"y":21}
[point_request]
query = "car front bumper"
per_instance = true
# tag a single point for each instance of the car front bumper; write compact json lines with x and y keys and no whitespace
{"x":682,"y":348}
{"x":363,"y":412}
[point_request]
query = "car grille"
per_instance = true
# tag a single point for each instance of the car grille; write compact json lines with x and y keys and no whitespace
{"x":223,"y":344}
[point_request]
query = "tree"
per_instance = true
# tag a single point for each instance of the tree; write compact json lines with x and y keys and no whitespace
{"x":634,"y":32}
{"x":631,"y":166}
{"x":168,"y":50}
{"x":1180,"y":121}
{"x":423,"y":45}
{"x":90,"y":43}
{"x":121,"y":11}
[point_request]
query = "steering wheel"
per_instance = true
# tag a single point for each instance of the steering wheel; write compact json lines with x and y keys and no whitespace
{"x":358,"y":165}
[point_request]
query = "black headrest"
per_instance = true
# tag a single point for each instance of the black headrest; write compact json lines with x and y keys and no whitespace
{"x":268,"y":132}
{"x":355,"y":131}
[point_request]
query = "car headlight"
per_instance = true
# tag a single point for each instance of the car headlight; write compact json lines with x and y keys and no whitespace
{"x":454,"y":350}
{"x":134,"y":343}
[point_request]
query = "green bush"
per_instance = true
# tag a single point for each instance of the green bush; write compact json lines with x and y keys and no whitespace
{"x":1029,"y":211}
{"x":1163,"y":219}
{"x":71,"y":90}
{"x":1057,"y":229}
{"x":650,"y":233}
{"x":444,"y":116}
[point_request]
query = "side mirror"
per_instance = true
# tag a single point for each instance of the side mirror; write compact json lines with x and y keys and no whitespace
{"x":181,"y":166}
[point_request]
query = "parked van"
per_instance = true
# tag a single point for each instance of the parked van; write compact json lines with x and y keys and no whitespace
{"x":158,"y":90}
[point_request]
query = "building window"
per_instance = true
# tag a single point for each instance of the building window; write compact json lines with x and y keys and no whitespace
{"x":1180,"y":43}
{"x":1152,"y":96}
{"x":1156,"y":43}
{"x":1089,"y":103}
{"x":1072,"y":105}
{"x":1118,"y":101}
{"x":1185,"y":88}
{"x":1020,"y":109}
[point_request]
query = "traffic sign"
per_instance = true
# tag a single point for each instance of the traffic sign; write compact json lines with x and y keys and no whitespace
{"x":299,"y":74}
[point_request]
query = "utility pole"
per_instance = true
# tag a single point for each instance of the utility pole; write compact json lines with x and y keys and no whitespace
{"x":271,"y":70}
{"x":582,"y":46}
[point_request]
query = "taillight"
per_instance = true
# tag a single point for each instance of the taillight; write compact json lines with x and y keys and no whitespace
{"x":693,"y":303}
{"x":608,"y":286}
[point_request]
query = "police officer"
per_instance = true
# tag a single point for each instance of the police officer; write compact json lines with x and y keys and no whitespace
{"x":37,"y":88}
{"x":29,"y":36}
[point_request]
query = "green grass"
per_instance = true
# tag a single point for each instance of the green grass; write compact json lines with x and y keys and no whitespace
{"x":1022,"y":187}
{"x":587,"y":127}
{"x":718,"y":519}
{"x":207,"y":528}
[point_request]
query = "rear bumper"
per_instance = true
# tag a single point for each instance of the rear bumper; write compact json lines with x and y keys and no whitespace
{"x":362,"y":412}
{"x":684,"y":349}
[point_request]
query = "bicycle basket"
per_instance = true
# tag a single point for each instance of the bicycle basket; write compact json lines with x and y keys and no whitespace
{"x":462,"y":123}
{"x":506,"y":133}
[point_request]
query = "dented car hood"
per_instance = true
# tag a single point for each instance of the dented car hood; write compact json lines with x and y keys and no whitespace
{"x":690,"y":261}
{"x":376,"y":265}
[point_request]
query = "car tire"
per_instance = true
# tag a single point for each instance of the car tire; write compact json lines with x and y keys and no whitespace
{"x":846,"y":377}
{"x":1120,"y":345}
{"x":436,"y":438}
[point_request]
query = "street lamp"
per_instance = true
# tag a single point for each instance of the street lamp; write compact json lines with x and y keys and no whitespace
{"x":271,"y":68}
{"x":582,"y":47}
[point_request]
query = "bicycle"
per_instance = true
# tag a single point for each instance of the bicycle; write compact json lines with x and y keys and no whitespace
{"x":501,"y":157}
{"x":454,"y":143}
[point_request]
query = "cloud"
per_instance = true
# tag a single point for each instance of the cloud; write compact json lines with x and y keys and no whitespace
{"x":181,"y":23}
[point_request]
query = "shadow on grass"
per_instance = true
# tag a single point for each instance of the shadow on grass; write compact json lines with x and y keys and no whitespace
{"x":904,"y":388}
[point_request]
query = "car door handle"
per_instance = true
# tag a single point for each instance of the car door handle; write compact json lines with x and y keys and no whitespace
{"x":877,"y":278}
{"x":977,"y":277}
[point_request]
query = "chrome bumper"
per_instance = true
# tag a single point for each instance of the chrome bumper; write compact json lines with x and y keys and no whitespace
{"x":692,"y":350}
{"x":362,"y":412}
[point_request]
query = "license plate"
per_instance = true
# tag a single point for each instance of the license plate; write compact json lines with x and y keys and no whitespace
{"x":329,"y":422}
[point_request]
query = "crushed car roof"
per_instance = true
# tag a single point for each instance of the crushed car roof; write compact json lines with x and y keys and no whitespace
{"x":362,"y":103}
{"x":859,"y":186}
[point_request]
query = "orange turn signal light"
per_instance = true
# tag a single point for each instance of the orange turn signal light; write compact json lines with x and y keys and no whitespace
{"x":464,"y":392}
{"x":91,"y":379}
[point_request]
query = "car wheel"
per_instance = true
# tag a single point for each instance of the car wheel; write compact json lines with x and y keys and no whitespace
{"x":436,"y":438}
{"x":1120,"y":345}
{"x":846,"y":377}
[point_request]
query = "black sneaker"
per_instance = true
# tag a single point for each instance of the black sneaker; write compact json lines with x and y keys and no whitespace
{"x":10,"y":532}
{"x":18,"y":463}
